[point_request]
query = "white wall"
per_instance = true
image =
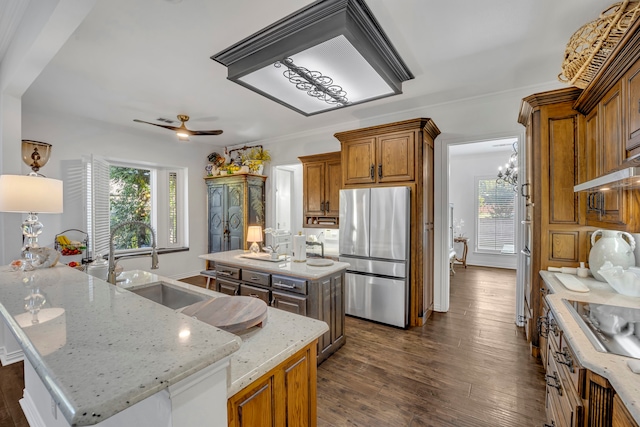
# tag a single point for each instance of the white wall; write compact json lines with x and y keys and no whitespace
{"x":72,"y":138}
{"x":464,"y":169}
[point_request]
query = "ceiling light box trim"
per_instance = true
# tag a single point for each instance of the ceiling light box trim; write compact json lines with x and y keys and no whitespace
{"x":328,"y":37}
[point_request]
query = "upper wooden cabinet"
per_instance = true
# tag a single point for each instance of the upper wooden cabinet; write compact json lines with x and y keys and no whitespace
{"x":322,"y":180}
{"x":389,"y":157}
{"x":631,"y":91}
{"x":604,"y":151}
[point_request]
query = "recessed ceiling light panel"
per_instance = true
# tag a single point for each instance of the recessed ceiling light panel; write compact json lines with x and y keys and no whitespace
{"x":331,"y":54}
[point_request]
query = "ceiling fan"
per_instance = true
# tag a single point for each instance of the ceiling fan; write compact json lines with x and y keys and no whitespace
{"x":182,"y":132}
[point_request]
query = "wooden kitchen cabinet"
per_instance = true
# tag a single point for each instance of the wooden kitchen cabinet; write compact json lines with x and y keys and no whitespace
{"x":385,"y":158}
{"x":631,"y":93}
{"x":559,"y":234}
{"x":621,"y":416}
{"x":400,"y":154}
{"x":322,"y":180}
{"x":284,"y":396}
{"x":603,"y":153}
{"x":234,"y":202}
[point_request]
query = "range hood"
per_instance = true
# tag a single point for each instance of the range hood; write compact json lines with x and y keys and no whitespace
{"x":626,"y":176}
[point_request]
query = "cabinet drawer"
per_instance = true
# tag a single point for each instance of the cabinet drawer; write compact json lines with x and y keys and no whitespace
{"x":227,"y":287}
{"x":567,"y":404}
{"x":227,"y":271}
{"x":256,"y":292}
{"x":289,"y":284}
{"x":568,"y":365}
{"x":292,"y":303}
{"x":255,"y":277}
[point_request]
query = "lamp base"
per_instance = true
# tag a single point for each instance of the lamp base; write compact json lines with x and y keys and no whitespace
{"x":31,"y":229}
{"x":254,"y":248}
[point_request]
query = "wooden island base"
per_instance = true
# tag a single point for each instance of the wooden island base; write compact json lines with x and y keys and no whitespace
{"x":286,"y":395}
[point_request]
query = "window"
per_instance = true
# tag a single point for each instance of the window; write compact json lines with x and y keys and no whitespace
{"x":118,"y":192}
{"x":495,"y":216}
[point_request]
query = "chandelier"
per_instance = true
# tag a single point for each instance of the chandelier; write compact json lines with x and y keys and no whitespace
{"x":510,"y":173}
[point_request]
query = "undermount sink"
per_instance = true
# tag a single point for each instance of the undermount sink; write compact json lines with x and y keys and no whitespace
{"x":609,"y":328}
{"x":169,"y":295}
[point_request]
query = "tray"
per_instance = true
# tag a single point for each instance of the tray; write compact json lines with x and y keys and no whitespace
{"x":265,"y":257}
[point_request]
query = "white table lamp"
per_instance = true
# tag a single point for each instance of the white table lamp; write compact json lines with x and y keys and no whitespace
{"x":30,"y":194}
{"x":254,"y":235}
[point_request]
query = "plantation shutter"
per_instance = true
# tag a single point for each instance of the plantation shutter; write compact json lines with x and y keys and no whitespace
{"x":98,"y":209}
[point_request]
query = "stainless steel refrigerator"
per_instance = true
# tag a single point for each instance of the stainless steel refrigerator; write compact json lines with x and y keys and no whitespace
{"x":374,"y":239}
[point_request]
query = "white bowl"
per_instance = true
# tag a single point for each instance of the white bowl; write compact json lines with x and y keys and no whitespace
{"x":625,"y":282}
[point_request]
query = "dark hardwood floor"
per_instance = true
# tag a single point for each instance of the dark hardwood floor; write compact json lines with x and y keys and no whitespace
{"x":469,"y":367}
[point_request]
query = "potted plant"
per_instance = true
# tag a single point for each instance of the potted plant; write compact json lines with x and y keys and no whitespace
{"x":256,"y":158}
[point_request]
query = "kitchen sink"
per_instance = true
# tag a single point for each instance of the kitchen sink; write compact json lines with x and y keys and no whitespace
{"x":609,"y":328}
{"x":169,"y":295}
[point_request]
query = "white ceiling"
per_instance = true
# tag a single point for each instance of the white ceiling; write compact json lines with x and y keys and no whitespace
{"x":146,"y":59}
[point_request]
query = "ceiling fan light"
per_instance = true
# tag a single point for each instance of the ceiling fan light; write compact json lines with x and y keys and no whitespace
{"x":182,"y":136}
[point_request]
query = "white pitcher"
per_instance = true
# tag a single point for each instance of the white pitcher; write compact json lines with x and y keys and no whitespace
{"x":613,"y":248}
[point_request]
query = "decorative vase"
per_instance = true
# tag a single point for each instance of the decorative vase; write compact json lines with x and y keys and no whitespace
{"x":255,"y":166}
{"x":613,"y":248}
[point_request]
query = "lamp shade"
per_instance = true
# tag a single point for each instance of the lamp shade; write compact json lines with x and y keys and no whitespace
{"x":30,"y":193}
{"x":254,"y":233}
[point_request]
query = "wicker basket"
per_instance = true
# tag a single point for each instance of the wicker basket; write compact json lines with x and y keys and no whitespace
{"x":591,"y":45}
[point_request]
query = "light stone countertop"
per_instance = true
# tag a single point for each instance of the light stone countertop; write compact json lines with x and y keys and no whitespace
{"x":608,"y":365}
{"x":98,"y":348}
{"x":263,"y":348}
{"x":288,"y":267}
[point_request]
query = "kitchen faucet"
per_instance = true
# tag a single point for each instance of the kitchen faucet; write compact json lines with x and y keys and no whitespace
{"x":111,"y":277}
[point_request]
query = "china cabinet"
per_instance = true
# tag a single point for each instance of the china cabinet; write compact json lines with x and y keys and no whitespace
{"x":234,"y":202}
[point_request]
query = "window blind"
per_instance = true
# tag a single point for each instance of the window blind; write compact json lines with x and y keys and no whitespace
{"x":495,"y":215}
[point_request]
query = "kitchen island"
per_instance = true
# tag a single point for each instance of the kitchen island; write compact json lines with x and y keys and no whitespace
{"x":104,"y":355}
{"x":316,"y":291}
{"x":623,"y":383}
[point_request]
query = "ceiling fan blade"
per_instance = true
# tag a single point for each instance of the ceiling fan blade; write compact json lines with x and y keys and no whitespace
{"x":173,"y":128}
{"x":206,"y":132}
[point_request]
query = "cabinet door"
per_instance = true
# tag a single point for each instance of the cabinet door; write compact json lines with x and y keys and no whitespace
{"x":299,"y":394}
{"x":313,"y":188}
{"x":621,"y":416}
{"x":631,"y":86}
{"x":254,"y":291}
{"x":216,"y":218}
{"x":395,"y":157}
{"x":325,"y":313}
{"x":235,"y":217}
{"x":611,"y":153}
{"x":333,"y":181}
{"x":337,"y":309}
{"x":253,"y":407}
{"x":359,"y":161}
{"x":291,"y":303}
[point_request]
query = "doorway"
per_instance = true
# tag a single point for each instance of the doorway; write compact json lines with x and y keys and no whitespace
{"x":448,"y":189}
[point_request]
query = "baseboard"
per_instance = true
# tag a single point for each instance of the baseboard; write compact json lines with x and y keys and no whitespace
{"x":30,"y":412}
{"x":7,"y":358}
